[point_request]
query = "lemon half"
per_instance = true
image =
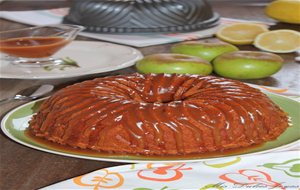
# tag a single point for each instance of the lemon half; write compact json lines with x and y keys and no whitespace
{"x":241,"y":33}
{"x":278,"y":41}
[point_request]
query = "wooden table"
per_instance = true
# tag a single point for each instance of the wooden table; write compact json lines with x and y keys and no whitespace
{"x":26,"y":168}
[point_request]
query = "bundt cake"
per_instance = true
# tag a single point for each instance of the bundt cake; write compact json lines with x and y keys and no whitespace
{"x":159,"y":114}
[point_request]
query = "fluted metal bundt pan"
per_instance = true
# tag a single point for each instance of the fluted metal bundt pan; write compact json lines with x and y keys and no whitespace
{"x":140,"y":16}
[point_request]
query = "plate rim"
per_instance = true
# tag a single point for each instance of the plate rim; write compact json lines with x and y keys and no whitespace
{"x":119,"y":160}
{"x":124,"y":65}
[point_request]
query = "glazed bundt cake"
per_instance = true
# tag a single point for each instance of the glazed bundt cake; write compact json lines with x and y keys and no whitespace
{"x":159,"y":114}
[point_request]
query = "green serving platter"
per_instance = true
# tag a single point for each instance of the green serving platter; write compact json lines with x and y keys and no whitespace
{"x":15,"y":123}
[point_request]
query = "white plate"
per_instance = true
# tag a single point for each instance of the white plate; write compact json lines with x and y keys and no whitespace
{"x":92,"y":58}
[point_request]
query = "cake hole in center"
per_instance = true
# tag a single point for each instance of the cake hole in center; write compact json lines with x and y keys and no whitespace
{"x":160,"y":99}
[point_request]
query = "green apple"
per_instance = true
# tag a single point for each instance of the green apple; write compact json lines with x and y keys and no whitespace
{"x":203,"y":49}
{"x":247,"y":64}
{"x":174,"y":63}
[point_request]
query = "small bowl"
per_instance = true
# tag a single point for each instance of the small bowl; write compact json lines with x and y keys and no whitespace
{"x":34,"y":46}
{"x":140,"y":16}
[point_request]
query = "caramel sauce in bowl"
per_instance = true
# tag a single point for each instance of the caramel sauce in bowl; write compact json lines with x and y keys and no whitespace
{"x":34,"y":46}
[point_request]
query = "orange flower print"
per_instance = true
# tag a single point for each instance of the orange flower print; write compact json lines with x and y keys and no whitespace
{"x":249,"y":177}
{"x":101,"y":179}
{"x":279,"y":90}
{"x":162,"y":173}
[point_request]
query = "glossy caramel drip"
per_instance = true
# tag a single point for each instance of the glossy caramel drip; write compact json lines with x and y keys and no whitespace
{"x":159,"y":114}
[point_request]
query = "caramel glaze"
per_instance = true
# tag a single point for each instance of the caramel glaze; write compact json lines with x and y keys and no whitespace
{"x":101,"y":154}
{"x":159,"y":114}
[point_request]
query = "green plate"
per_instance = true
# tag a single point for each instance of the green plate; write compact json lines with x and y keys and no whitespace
{"x":15,"y":123}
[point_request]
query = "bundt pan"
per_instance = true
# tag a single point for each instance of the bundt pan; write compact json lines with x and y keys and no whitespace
{"x":142,"y":16}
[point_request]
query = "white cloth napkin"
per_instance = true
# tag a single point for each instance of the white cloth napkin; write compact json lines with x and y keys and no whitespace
{"x":55,"y":16}
{"x":257,"y":172}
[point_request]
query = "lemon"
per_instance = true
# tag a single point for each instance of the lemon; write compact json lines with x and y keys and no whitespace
{"x":240,"y":33}
{"x":278,"y":41}
{"x":284,"y":11}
